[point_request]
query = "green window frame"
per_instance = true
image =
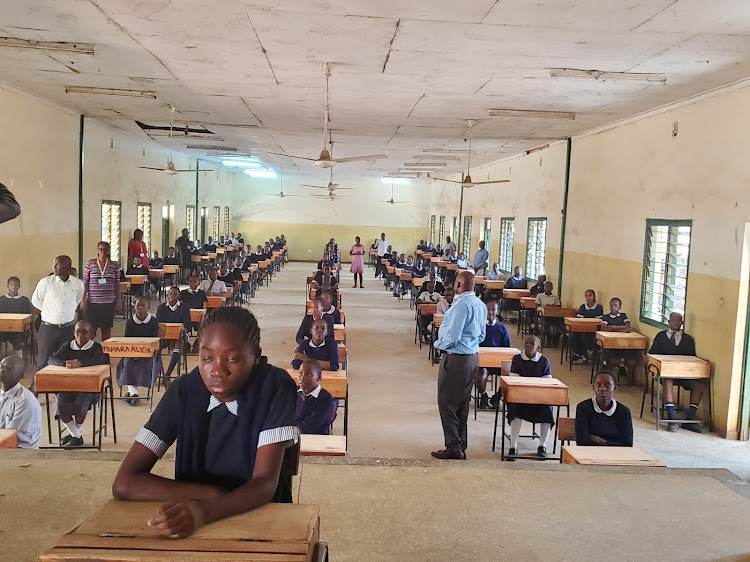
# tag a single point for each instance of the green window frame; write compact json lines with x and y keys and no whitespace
{"x":112,"y":228}
{"x":190,"y":220}
{"x":217,"y":223}
{"x":454,"y":237}
{"x":666,"y":263}
{"x":226,"y":222}
{"x":441,"y":230}
{"x":432,"y":229}
{"x":536,"y":238}
{"x":466,"y":241}
{"x":144,"y":222}
{"x":507,"y":236}
{"x":487,"y":236}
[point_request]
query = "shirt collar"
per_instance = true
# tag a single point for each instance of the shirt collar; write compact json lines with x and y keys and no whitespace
{"x":598,"y":410}
{"x":492,"y":323}
{"x":315,"y":393}
{"x":88,"y":345}
{"x":587,"y":307}
{"x":311,"y":344}
{"x":15,"y":390}
{"x":330,"y":310}
{"x":215,"y":403}
{"x":613,"y":315}
{"x":173,"y":308}
{"x":16,"y":297}
{"x":146,"y":321}
{"x":671,"y":333}
{"x":536,"y":357}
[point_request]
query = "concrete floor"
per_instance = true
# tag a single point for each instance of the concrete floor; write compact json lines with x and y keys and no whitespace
{"x":422,"y":507}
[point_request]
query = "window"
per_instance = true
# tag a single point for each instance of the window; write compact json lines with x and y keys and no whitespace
{"x":111,"y":231}
{"x":466,"y":242}
{"x":144,"y":222}
{"x":666,"y":256}
{"x":190,"y":220}
{"x":487,"y":233}
{"x":507,"y":232}
{"x":454,"y":235}
{"x":217,"y":222}
{"x":226,"y":221}
{"x":432,"y":229}
{"x":441,"y":232}
{"x":535,"y":239}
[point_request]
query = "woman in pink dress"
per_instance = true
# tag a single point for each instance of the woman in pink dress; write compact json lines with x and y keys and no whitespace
{"x":358,"y":263}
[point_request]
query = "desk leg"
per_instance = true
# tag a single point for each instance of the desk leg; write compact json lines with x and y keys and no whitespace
{"x":658,"y":401}
{"x":49,"y":419}
{"x":502,"y":437}
{"x":494,"y":433}
{"x":554,"y":435}
{"x":346,"y":418}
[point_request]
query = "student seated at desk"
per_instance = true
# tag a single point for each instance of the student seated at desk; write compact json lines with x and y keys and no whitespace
{"x":212,"y":286}
{"x":435,"y":278}
{"x":539,"y":287}
{"x":329,"y":308}
{"x":193,"y":296}
{"x":13,"y":303}
{"x":139,"y":371}
{"x":305,"y":328}
{"x":675,"y":341}
{"x":401,"y":261}
{"x":446,"y":300}
{"x":19,"y":408}
{"x":137,"y":268}
{"x":546,"y":299}
{"x":222,"y":241}
{"x":516,"y":281}
{"x":462,"y":262}
{"x":585,"y":342}
{"x":428,"y":295}
{"x":615,"y":321}
{"x":233,"y":418}
{"x":616,"y":360}
{"x":452,"y":257}
{"x":321,"y":347}
{"x":225,"y":276}
{"x":495,"y":335}
{"x":73,"y":406}
{"x":325,"y":259}
{"x":325,"y":279}
{"x":530,"y":363}
{"x":174,"y":312}
{"x":495,"y":274}
{"x":601,"y":420}
{"x":210,"y":246}
{"x":171,"y":258}
{"x":156,"y":263}
{"x":315,"y":405}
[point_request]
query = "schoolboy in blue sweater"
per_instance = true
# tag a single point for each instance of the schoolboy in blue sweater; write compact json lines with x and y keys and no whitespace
{"x":314,"y":403}
{"x":496,"y":335}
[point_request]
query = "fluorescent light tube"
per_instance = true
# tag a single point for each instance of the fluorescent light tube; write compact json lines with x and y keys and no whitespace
{"x":424,"y":164}
{"x":531,"y":113}
{"x":261,"y":173}
{"x":240,"y":164}
{"x":444,"y":151}
{"x":603,"y":75}
{"x":435,"y":157}
{"x":83,"y":48}
{"x":109,"y":92}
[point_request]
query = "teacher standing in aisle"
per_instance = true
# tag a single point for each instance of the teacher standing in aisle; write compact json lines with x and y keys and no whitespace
{"x":462,"y":330}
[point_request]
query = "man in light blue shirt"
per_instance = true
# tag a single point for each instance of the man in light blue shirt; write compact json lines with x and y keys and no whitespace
{"x":481,"y":259}
{"x":460,"y":334}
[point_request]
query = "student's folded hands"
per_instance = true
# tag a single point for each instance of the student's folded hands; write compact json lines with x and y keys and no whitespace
{"x":178,"y":520}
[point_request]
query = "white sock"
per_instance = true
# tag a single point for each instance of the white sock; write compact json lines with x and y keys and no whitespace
{"x":132,"y":390}
{"x":73,"y":428}
{"x":544,"y":429}
{"x":515,"y":432}
{"x":79,"y":427}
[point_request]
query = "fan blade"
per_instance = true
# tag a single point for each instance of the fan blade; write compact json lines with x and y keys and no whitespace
{"x":149,"y":168}
{"x":340,"y":188}
{"x":193,"y":170}
{"x":360,"y":158}
{"x":291,"y":156}
{"x":451,"y":181}
{"x":333,"y":185}
{"x":315,"y":186}
{"x":486,"y":182}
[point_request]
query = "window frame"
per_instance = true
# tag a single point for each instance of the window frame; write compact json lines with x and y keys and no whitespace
{"x":146,"y":235}
{"x":227,"y":231}
{"x":543,"y":250}
{"x":669,"y":223}
{"x":441,"y":228}
{"x":217,"y":223}
{"x":188,"y":225}
{"x":432,"y":229}
{"x":487,"y":234}
{"x":503,"y":235}
{"x":111,"y":203}
{"x":466,"y":237}
{"x":454,"y":235}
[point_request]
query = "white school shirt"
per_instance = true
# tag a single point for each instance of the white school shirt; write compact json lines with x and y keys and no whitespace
{"x":443,"y":306}
{"x":433,"y":297}
{"x":58,"y":299}
{"x":20,"y":410}
{"x":382,"y":247}
{"x":218,"y":286}
{"x":676,"y":337}
{"x":543,"y":300}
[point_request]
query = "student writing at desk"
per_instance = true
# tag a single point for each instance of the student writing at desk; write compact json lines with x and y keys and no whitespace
{"x":233,"y":417}
{"x":602,"y":420}
{"x":496,"y":335}
{"x":516,"y":281}
{"x":321,"y":346}
{"x":315,"y":405}
{"x":19,"y":409}
{"x":73,"y":406}
{"x":676,"y":342}
{"x":14,"y":303}
{"x":539,"y":287}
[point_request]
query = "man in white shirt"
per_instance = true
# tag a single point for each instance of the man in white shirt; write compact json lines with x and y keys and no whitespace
{"x":19,"y":409}
{"x":382,"y":248}
{"x":449,"y":247}
{"x":212,"y":286}
{"x":57,"y":296}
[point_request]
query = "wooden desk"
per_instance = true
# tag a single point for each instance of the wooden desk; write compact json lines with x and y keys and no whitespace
{"x":418,"y":281}
{"x":608,"y":456}
{"x":119,"y":531}
{"x":171,"y":269}
{"x":197,"y":314}
{"x":215,"y":302}
{"x":556,"y":311}
{"x":322,"y":445}
{"x":493,"y":357}
{"x":137,"y":279}
{"x":14,"y":323}
{"x":245,"y":276}
{"x":621,"y":340}
{"x":530,"y":390}
{"x":419,"y":252}
{"x":575,"y":325}
{"x":220,"y":250}
{"x":156,"y":273}
{"x":96,"y":379}
{"x":8,"y":439}
{"x":515,"y":293}
{"x":131,"y":347}
{"x":339,"y":333}
{"x":452,"y":267}
{"x":679,"y":367}
{"x":171,"y":330}
{"x":494,"y":285}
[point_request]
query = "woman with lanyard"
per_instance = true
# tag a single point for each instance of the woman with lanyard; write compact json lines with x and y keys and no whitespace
{"x":101,"y":291}
{"x":137,"y":247}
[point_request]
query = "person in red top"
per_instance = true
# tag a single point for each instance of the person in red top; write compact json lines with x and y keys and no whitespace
{"x":137,"y":247}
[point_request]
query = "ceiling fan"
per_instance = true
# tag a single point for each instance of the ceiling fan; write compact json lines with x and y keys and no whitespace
{"x":331,"y":196}
{"x":281,"y":189}
{"x":466,"y":182}
{"x":391,"y":201}
{"x":170,"y":169}
{"x":325,"y":160}
{"x":331,"y":187}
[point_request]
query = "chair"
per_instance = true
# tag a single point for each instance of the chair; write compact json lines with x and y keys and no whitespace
{"x":566,"y":431}
{"x":423,"y":309}
{"x":342,"y":356}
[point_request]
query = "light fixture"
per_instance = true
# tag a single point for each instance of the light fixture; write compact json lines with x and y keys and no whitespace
{"x":240,"y":164}
{"x":261,"y":173}
{"x":436,"y":157}
{"x":445,"y":150}
{"x":603,"y":75}
{"x":424,"y":164}
{"x":165,"y":211}
{"x":531,"y":113}
{"x":395,"y":179}
{"x":109,"y":92}
{"x":83,"y":48}
{"x":208,"y":147}
{"x":422,"y":170}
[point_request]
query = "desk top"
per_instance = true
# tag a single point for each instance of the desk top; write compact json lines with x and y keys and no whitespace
{"x":571,"y":320}
{"x":322,"y":445}
{"x":119,"y":531}
{"x":340,"y":374}
{"x":61,"y":379}
{"x":495,"y":356}
{"x":14,"y":322}
{"x":131,"y":347}
{"x":608,"y":456}
{"x":528,"y":302}
{"x":437,"y":319}
{"x":534,"y":390}
{"x":8,"y":438}
{"x":538,"y":382}
{"x":171,"y":268}
{"x":621,"y":340}
{"x":556,"y":311}
{"x":137,"y":278}
{"x":516,"y":293}
{"x":495,"y":284}
{"x":680,"y":366}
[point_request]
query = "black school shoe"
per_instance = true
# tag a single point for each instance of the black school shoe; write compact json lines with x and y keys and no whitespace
{"x":541,"y":452}
{"x":73,"y":442}
{"x":511,"y":457}
{"x":65,"y":440}
{"x":449,"y":454}
{"x":695,"y":427}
